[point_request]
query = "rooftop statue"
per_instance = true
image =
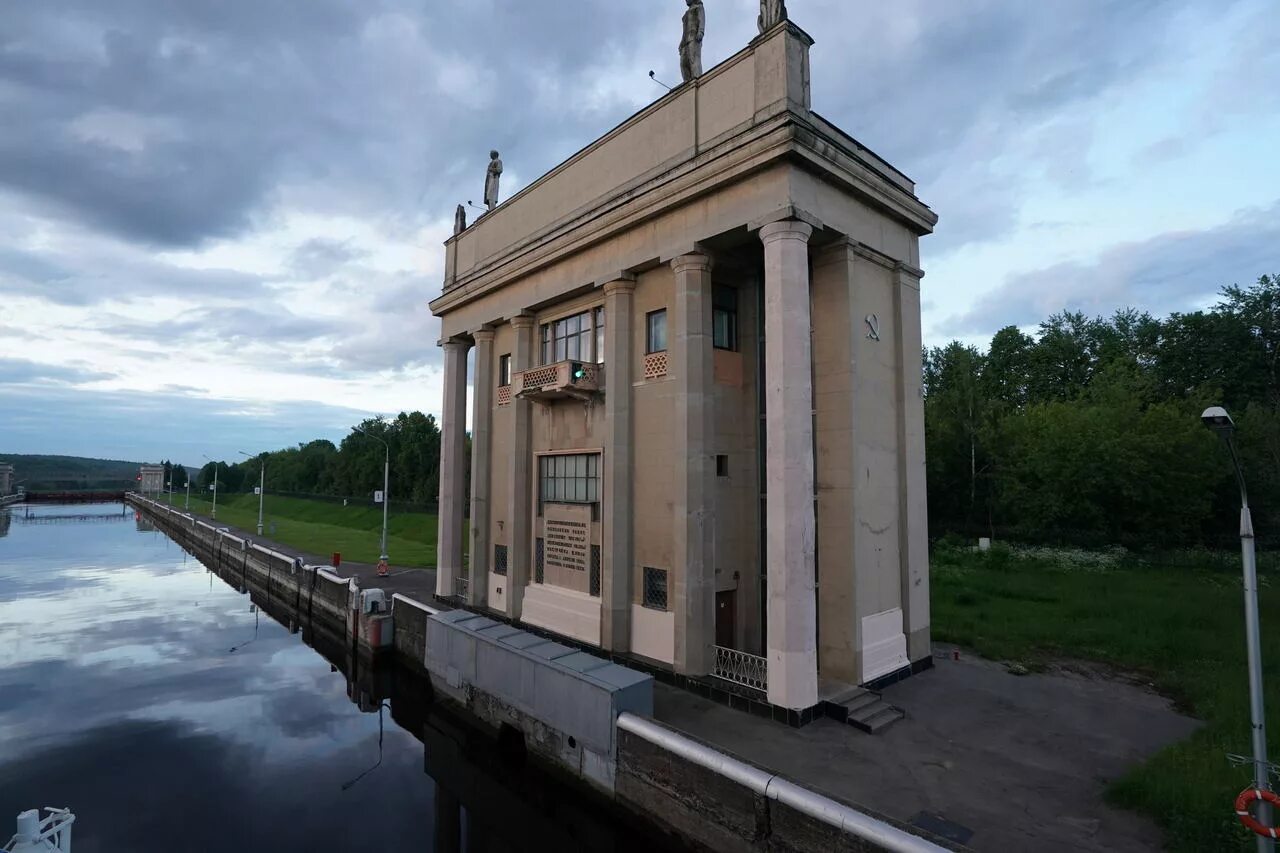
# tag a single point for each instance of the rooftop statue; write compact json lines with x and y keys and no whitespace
{"x":695,"y":27}
{"x":772,"y":13}
{"x":491,"y":181}
{"x":460,"y":220}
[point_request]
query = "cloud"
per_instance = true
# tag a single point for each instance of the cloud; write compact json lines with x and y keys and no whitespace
{"x":17,"y":371}
{"x":1174,"y":271}
{"x":137,"y":425}
{"x":87,"y":271}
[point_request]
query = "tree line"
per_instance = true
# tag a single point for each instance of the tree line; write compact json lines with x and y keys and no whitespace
{"x":351,"y":469}
{"x":1089,"y":431}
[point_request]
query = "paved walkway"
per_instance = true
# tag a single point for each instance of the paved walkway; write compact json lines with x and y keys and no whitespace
{"x":1021,"y":761}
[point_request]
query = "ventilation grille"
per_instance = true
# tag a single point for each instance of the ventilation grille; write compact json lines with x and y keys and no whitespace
{"x":655,"y":365}
{"x":537,"y":560}
{"x":655,"y":588}
{"x":540,"y":377}
{"x":500,"y":560}
{"x":595,"y":571}
{"x":504,"y":395}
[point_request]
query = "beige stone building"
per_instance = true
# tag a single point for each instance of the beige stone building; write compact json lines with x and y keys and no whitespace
{"x":697,"y":432}
{"x":6,"y":478}
{"x":151,"y":479}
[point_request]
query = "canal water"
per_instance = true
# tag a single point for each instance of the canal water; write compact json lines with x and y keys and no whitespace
{"x":171,"y":712}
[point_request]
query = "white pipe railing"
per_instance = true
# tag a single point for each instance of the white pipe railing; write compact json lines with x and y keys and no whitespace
{"x":774,"y":787}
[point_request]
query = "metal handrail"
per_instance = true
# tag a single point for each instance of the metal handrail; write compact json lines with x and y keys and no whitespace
{"x":742,"y":668}
{"x":774,"y":787}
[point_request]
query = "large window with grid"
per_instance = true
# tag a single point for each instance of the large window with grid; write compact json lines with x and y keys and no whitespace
{"x":571,"y":478}
{"x":576,"y":338}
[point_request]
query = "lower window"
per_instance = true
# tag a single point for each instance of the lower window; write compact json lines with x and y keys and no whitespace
{"x":655,"y":588}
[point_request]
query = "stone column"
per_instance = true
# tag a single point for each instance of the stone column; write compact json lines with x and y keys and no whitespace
{"x":618,"y":570}
{"x":481,"y":462}
{"x":694,"y":504}
{"x":791,"y":526}
{"x":453,"y":454}
{"x":913,"y":523}
{"x":520,"y":509}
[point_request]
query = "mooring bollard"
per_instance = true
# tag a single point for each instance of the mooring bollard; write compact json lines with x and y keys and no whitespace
{"x":337,"y":559}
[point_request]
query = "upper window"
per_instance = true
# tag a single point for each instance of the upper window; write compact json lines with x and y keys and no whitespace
{"x":656,"y":331}
{"x":724,"y":317}
{"x":570,"y":478}
{"x":576,"y":338}
{"x":504,"y":370}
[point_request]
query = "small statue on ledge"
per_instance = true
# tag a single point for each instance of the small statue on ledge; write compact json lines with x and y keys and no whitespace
{"x":695,"y":27}
{"x":772,"y":13}
{"x":491,"y":181}
{"x":459,"y":220}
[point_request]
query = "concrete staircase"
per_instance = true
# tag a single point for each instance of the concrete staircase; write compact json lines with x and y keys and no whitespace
{"x":861,"y":708}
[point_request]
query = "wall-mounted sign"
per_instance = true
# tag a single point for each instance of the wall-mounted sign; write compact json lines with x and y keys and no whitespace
{"x":377,"y":497}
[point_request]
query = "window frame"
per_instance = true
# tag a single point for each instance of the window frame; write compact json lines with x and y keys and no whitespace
{"x":583,"y":330}
{"x":649,"y":318}
{"x":504,"y":370}
{"x":721,"y":297}
{"x":570,"y":478}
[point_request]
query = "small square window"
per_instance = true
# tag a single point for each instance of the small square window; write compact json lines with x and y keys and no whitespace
{"x":722,"y":465}
{"x":656,"y":331}
{"x":655,"y":588}
{"x":504,"y":370}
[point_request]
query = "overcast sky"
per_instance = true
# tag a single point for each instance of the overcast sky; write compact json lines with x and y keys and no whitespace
{"x":222,"y":219}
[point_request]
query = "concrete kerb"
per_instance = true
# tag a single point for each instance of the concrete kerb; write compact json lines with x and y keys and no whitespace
{"x":876,"y":833}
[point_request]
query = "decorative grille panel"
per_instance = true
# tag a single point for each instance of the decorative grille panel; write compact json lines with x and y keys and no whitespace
{"x":541,"y":376}
{"x":537,"y":561}
{"x":742,"y":668}
{"x":500,"y":560}
{"x":655,"y":365}
{"x":504,"y":395}
{"x":655,"y":588}
{"x":595,"y":571}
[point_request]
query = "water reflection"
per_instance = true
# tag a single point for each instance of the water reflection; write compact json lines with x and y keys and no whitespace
{"x":171,"y":713}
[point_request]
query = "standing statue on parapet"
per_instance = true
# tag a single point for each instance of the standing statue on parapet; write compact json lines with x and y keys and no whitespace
{"x":695,"y":27}
{"x":772,"y":13}
{"x":491,"y":181}
{"x":460,"y":220}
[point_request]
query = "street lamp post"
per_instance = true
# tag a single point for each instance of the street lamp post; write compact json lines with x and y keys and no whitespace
{"x":1217,"y":419}
{"x":262,"y":487}
{"x":188,"y":505}
{"x":213,"y":513}
{"x":386,"y":487}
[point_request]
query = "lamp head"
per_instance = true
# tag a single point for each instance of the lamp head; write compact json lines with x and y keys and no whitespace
{"x":1217,"y":419}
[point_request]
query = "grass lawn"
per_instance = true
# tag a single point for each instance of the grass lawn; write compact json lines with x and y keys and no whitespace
{"x":322,"y":527}
{"x":1180,"y":628}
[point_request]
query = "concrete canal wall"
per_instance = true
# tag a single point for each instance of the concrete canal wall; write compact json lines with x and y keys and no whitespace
{"x":581,"y":715}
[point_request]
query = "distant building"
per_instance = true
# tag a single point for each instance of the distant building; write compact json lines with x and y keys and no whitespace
{"x":698,"y":433}
{"x":6,"y":478}
{"x":151,"y":479}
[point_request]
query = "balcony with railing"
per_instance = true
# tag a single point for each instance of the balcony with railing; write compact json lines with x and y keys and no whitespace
{"x":578,"y":380}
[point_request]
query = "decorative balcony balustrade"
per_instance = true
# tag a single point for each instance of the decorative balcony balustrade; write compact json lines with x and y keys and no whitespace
{"x":580,"y":380}
{"x":742,"y":668}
